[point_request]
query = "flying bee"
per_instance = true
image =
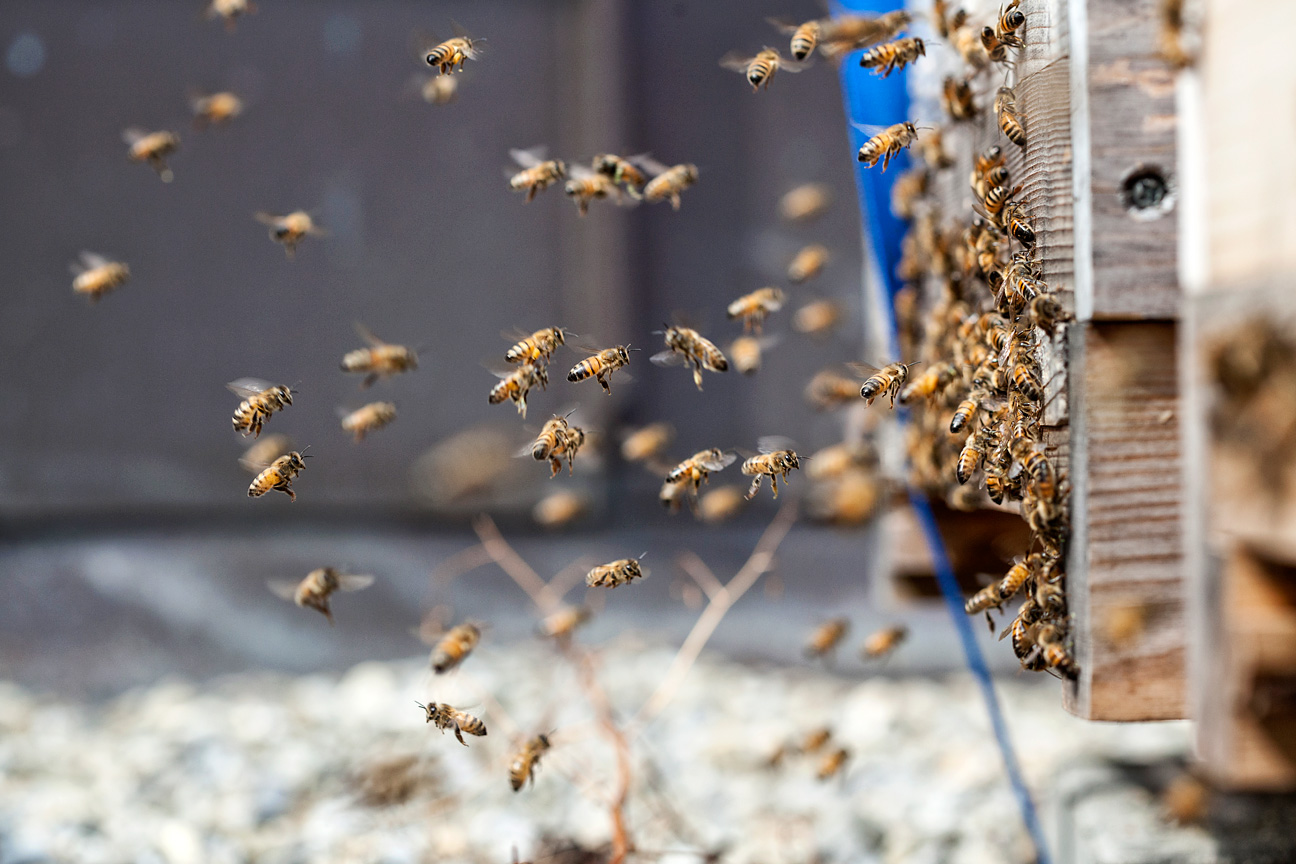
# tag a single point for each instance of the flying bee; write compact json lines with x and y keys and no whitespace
{"x":620,"y":572}
{"x":94,"y":275}
{"x":515,"y":385}
{"x":1011,"y":19}
{"x":826,"y":637}
{"x":622,"y":172}
{"x":526,"y":760}
{"x":454,"y":647}
{"x":957,"y":98}
{"x":695,"y":470}
{"x":446,"y":717}
{"x":753,"y":308}
{"x":290,"y":229}
{"x":562,"y":623}
{"x":260,"y":400}
{"x":985,"y":599}
{"x":805,"y":202}
{"x":772,"y":463}
{"x":829,"y":389}
{"x":888,"y":379}
{"x":844,"y":33}
{"x":539,"y":346}
{"x":264,"y":451}
{"x":970,"y":458}
{"x":453,"y":53}
{"x":720,"y":505}
{"x":152,"y":148}
{"x":832,"y":764}
{"x":883,"y":642}
{"x":229,"y":10}
{"x":808,"y":263}
{"x":1009,"y":120}
{"x":314,"y":591}
{"x":587,"y":185}
{"x":646,"y":442}
{"x":667,"y":184}
{"x":805,"y":37}
{"x":815,"y":740}
{"x":926,"y":385}
{"x":672,"y":495}
{"x":601,"y":366}
{"x":379,"y":360}
{"x":817,"y":317}
{"x":1046,"y":312}
{"x":558,"y":509}
{"x":1016,"y":577}
{"x":892,"y":56}
{"x":537,"y":172}
{"x":215,"y":109}
{"x":279,"y":475}
{"x":687,"y":347}
{"x":558,"y":438}
{"x":761,"y":68}
{"x":368,"y":418}
{"x":436,"y":89}
{"x":746,"y":352}
{"x":967,"y":409}
{"x":887,"y":143}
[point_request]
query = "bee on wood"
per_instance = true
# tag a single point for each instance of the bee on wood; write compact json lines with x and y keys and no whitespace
{"x":562,"y":623}
{"x":452,"y":54}
{"x":314,"y":591}
{"x":526,"y":760}
{"x":1009,"y":120}
{"x":514,"y":386}
{"x":260,"y":400}
{"x":94,"y":275}
{"x":808,"y":263}
{"x":265,"y":451}
{"x":805,"y":37}
{"x":1172,"y":48}
{"x":1019,"y":227}
{"x":720,"y":505}
{"x":887,"y":143}
{"x":687,"y":347}
{"x":1046,"y":312}
{"x":1011,"y":19}
{"x":746,"y":352}
{"x":1022,"y":637}
{"x":817,"y":317}
{"x":957,"y":98}
{"x":558,"y":509}
{"x":368,"y":418}
{"x":587,"y":185}
{"x":695,"y":470}
{"x":215,"y":109}
{"x":970,"y":458}
{"x":1052,"y":644}
{"x":1024,"y":381}
{"x":601,"y":366}
{"x":883,"y":642}
{"x":447,"y":717}
{"x":620,"y":572}
{"x":279,"y":475}
{"x":889,"y":379}
{"x":1030,"y":454}
{"x":829,"y":389}
{"x":290,"y":229}
{"x":772,"y":463}
{"x":379,"y":360}
{"x":995,"y":48}
{"x":753,"y":308}
{"x":760,"y":70}
{"x":229,"y":11}
{"x":966,"y":41}
{"x":832,"y":764}
{"x":826,"y":637}
{"x":647,"y":442}
{"x":152,"y":148}
{"x":454,"y":647}
{"x":537,"y":172}
{"x":622,"y":172}
{"x":892,"y":56}
{"x":667,"y":184}
{"x":989,"y":169}
{"x":1016,"y":577}
{"x":805,"y":202}
{"x":558,"y":438}
{"x":1050,"y":598}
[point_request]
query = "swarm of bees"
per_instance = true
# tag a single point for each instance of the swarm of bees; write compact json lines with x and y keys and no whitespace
{"x":626,"y":180}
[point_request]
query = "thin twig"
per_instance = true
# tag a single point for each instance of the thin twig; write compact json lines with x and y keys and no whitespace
{"x":598,"y":700}
{"x":695,"y":567}
{"x":564,"y":580}
{"x":511,"y":562}
{"x":458,"y":564}
{"x":759,"y":563}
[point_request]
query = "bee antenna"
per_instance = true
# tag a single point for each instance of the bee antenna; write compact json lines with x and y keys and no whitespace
{"x":642,"y":555}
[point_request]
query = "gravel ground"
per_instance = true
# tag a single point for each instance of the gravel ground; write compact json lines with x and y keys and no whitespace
{"x":341,"y":769}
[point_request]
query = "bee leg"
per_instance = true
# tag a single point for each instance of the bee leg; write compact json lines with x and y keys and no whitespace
{"x":675,"y":200}
{"x":531,"y":193}
{"x":607,"y":391}
{"x":460,"y":736}
{"x":697,"y":376}
{"x":774,"y":484}
{"x":555,"y":464}
{"x":369,"y":380}
{"x":754,"y":488}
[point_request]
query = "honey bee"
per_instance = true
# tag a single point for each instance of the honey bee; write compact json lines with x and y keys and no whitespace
{"x":772,"y":463}
{"x":152,"y":148}
{"x":943,"y":21}
{"x":829,"y":389}
{"x":279,"y":476}
{"x":687,"y":347}
{"x":931,"y":147}
{"x":446,"y":717}
{"x":647,"y":442}
{"x":601,"y":366}
{"x":989,"y":170}
{"x":314,"y":591}
{"x":826,"y":637}
{"x":985,"y":599}
{"x":995,"y":48}
{"x":1030,"y":455}
{"x":556,"y":439}
{"x":1009,"y":120}
{"x":1052,"y":643}
{"x":817,"y":317}
{"x":454,"y":647}
{"x":833,"y":763}
{"x":908,"y":189}
{"x":622,"y":172}
{"x":997,"y":484}
{"x":967,"y":42}
{"x":1025,"y":382}
{"x":970,"y":458}
{"x":1046,"y":312}
{"x":1016,"y":577}
{"x":437,"y":89}
{"x":883,"y":642}
{"x":761,"y":68}
{"x":891,"y":56}
{"x":720,"y":505}
{"x":805,"y":37}
{"x":1011,"y":19}
{"x":957,"y":98}
{"x":94,"y":275}
{"x":667,"y":184}
{"x":265,"y":451}
{"x":889,"y":379}
{"x":562,"y":623}
{"x":1019,"y":226}
{"x":847,"y":32}
{"x":539,"y":346}
{"x":805,"y":202}
{"x":260,"y":400}
{"x":887,"y":143}
{"x":753,"y":308}
{"x":966,"y":410}
{"x":368,"y":418}
{"x":815,"y":740}
{"x":808,"y":263}
{"x":695,"y":470}
{"x":672,"y":495}
{"x":290,"y":229}
{"x":526,"y":760}
{"x":929,"y":383}
{"x":379,"y":360}
{"x":1051,"y":601}
{"x":747,"y":352}
{"x":453,"y":53}
{"x":215,"y":109}
{"x":586,"y":185}
{"x":517,"y":384}
{"x":619,"y":572}
{"x":229,"y":10}
{"x":558,"y":509}
{"x":1172,"y":49}
{"x":537,"y":172}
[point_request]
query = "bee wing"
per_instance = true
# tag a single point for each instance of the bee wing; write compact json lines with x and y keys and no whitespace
{"x":133,"y":134}
{"x":247,"y":387}
{"x":530,"y":157}
{"x":256,"y":466}
{"x":772,"y":443}
{"x":354,"y":582}
{"x":579,"y":171}
{"x":283,"y":588}
{"x":460,"y":32}
{"x":367,"y":335}
{"x":736,"y":61}
{"x":668,"y":358}
{"x":267,"y":218}
{"x":865,"y":369}
{"x":783,"y":25}
{"x":726,"y":459}
{"x":422,"y":41}
{"x":788,"y":65}
{"x":650,"y":166}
